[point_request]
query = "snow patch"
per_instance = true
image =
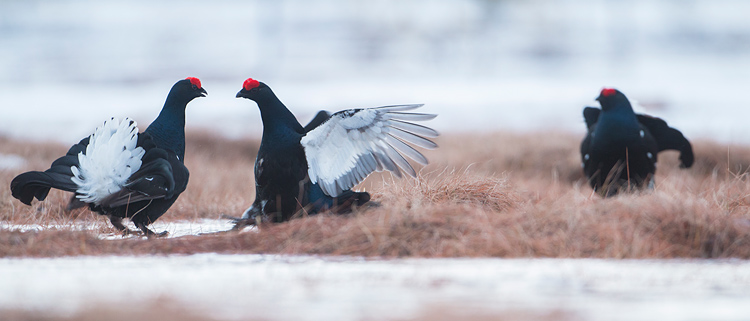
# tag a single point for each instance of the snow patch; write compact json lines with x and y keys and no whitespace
{"x":175,"y":229}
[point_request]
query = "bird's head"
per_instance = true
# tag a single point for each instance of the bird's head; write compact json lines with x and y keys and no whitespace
{"x":196,"y":89}
{"x":252,"y":89}
{"x":187,"y":89}
{"x":610,"y":97}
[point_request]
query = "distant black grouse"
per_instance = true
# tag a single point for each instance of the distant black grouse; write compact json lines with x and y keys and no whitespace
{"x":120,"y":173}
{"x":619,"y":151}
{"x":313,"y":168}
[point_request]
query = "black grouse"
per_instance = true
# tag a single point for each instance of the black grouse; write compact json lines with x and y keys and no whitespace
{"x":306,"y":170}
{"x":120,"y":173}
{"x":619,"y":152}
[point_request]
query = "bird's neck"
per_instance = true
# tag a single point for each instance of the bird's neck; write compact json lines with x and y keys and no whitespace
{"x":618,"y":124}
{"x":277,"y":119}
{"x":621,"y":113}
{"x":168,"y":130}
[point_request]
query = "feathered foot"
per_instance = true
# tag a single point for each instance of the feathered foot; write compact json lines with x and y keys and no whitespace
{"x":149,"y":233}
{"x":251,"y":217}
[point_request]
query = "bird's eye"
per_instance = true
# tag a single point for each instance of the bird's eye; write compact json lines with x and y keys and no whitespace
{"x":195,"y":87}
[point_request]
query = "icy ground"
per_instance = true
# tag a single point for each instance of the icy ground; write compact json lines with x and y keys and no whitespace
{"x":175,"y":229}
{"x":345,"y":288}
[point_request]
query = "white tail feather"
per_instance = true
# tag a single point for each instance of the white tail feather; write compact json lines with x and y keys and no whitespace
{"x":110,"y":158}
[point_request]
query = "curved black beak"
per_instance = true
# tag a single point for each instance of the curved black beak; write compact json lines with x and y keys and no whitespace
{"x":203,"y":93}
{"x":243,"y":94}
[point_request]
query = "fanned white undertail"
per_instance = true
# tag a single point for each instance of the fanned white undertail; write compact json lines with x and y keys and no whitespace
{"x":111,"y":157}
{"x":353,"y":143}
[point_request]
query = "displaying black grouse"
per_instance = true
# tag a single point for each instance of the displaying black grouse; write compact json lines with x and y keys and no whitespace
{"x":120,"y":173}
{"x":313,"y":168}
{"x":620,"y":149}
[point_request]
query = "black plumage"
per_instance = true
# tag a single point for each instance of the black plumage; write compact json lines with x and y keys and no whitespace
{"x":284,"y":181}
{"x":282,"y":186}
{"x":620,"y":149}
{"x":148,"y":192}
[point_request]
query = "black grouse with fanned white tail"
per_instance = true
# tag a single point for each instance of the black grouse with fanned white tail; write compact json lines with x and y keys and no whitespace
{"x":120,"y":173}
{"x":620,"y":149}
{"x":306,"y":170}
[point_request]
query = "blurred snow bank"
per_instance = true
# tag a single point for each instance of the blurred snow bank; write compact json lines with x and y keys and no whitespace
{"x":340,"y":288}
{"x":65,"y":66}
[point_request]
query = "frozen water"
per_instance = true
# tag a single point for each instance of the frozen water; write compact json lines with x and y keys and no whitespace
{"x":334,"y":288}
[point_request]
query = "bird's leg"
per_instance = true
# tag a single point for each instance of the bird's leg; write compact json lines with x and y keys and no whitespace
{"x":252,"y":216}
{"x":117,"y":223}
{"x":149,"y":233}
{"x":243,"y":222}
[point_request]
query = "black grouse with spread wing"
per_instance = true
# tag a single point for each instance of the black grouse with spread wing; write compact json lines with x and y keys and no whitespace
{"x":306,"y":170}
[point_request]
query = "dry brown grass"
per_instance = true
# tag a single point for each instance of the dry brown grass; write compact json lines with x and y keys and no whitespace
{"x":503,"y":195}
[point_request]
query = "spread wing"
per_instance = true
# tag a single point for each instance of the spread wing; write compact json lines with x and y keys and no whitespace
{"x":351,"y":144}
{"x":319,"y":119}
{"x":591,"y":116}
{"x":668,"y":138}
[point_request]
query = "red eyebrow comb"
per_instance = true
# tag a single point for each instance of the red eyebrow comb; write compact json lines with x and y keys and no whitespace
{"x":608,"y":92}
{"x":250,"y":83}
{"x":195,"y":81}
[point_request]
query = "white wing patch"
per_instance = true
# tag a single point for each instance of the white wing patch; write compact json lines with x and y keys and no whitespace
{"x":353,"y":143}
{"x":110,"y":158}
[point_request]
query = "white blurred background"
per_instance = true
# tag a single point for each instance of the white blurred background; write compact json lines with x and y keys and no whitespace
{"x":483,"y":65}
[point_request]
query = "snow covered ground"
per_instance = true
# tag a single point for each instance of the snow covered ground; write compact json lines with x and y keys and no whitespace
{"x":175,"y":229}
{"x":279,"y":287}
{"x":346,"y":288}
{"x":183,"y":228}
